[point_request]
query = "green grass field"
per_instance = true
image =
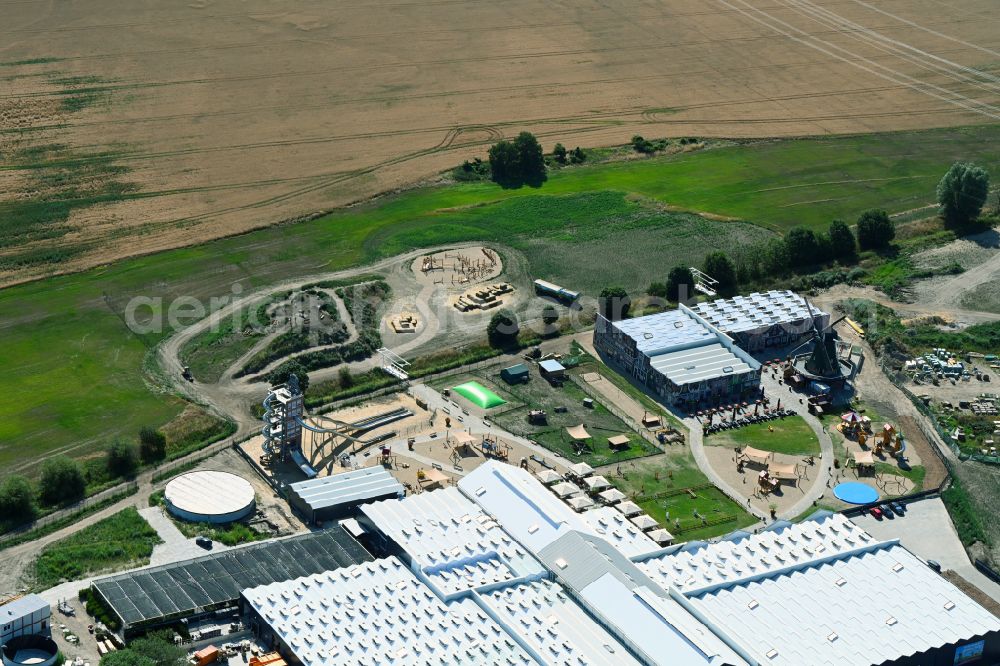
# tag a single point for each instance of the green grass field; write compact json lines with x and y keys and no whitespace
{"x":122,"y":540}
{"x":792,"y":436}
{"x":670,"y":474}
{"x":79,"y":377}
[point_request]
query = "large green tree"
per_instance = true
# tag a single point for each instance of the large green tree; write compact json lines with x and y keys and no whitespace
{"x":17,"y":500}
{"x":680,"y":284}
{"x":962,"y":193}
{"x":61,"y":481}
{"x":614,"y":303}
{"x":283,"y":373}
{"x":842,"y":243}
{"x":720,"y":267}
{"x":503,"y":329}
{"x":875,"y":230}
{"x":804,"y":248}
{"x":516,"y":162}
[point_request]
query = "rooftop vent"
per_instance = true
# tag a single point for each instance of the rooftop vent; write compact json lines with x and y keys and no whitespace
{"x":891,"y":621}
{"x":948,"y":606}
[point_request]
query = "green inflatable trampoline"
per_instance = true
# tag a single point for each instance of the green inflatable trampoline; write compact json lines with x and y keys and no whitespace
{"x":479,"y":395}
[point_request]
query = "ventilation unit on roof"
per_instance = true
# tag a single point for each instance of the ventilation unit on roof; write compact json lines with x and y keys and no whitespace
{"x":678,"y":324}
{"x":728,"y":369}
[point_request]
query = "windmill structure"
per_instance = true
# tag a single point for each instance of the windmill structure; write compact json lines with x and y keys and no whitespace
{"x":823,"y":363}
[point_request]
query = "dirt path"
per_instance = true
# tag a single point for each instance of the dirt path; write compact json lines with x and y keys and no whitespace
{"x":946,"y":309}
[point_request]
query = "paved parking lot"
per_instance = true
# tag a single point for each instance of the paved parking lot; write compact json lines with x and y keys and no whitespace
{"x":927,"y":531}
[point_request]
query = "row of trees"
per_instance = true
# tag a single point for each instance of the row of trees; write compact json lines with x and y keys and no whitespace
{"x":64,"y":480}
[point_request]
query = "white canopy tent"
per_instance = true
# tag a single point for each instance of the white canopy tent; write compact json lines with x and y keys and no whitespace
{"x":644,"y":522}
{"x":581,"y":469}
{"x":547,"y":476}
{"x":565,"y":489}
{"x":597,"y":483}
{"x":612,"y":495}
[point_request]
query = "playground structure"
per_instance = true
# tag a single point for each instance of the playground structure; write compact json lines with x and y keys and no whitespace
{"x":405,"y":322}
{"x":284,"y":423}
{"x":459,"y":267}
{"x":483,"y":298}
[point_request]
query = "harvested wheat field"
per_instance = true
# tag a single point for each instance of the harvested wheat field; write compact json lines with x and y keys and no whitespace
{"x":128,"y":127}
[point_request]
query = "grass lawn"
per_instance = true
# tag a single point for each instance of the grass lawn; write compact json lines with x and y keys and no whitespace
{"x":670,"y":474}
{"x":599,"y":422}
{"x":792,"y":436}
{"x":82,"y":377}
{"x":117,"y":542}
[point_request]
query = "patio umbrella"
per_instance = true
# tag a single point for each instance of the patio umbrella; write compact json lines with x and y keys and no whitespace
{"x":629,"y":508}
{"x":565,"y":489}
{"x":580,"y":503}
{"x":644,"y":522}
{"x":661,"y":536}
{"x":851,"y":417}
{"x":612,"y":495}
{"x":597,"y":483}
{"x":581,"y":469}
{"x":549,"y":476}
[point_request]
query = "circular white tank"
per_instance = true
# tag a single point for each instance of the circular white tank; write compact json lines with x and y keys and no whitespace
{"x":31,"y":650}
{"x":210,"y":497}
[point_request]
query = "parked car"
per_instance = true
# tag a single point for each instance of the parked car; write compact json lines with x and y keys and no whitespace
{"x":203,"y":541}
{"x":898,"y":508}
{"x":876,"y":512}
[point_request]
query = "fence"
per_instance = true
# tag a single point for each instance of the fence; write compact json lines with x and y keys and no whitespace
{"x":116,"y":492}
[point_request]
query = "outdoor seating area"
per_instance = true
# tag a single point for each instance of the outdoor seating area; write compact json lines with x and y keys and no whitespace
{"x":583,"y":490}
{"x":739,"y":415}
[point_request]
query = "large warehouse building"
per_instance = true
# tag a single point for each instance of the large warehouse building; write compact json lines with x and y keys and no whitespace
{"x":703,"y":353}
{"x":679,"y":356}
{"x":499,"y":571}
{"x":155,"y":596}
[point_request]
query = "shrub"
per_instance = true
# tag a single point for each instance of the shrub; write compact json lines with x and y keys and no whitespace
{"x":614,"y":303}
{"x":560,"y":153}
{"x":122,"y":459}
{"x":680,"y":284}
{"x":152,"y":445}
{"x":720,"y":267}
{"x":503,"y":329}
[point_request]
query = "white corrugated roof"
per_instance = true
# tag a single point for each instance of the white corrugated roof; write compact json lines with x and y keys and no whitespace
{"x":665,"y":330}
{"x":688,"y":366}
{"x":452,"y":540}
{"x":864,"y":609}
{"x":757,"y":310}
{"x":379,"y":613}
{"x":347,"y":488}
{"x":536,"y":517}
{"x":555,"y":626}
{"x":821,"y":592}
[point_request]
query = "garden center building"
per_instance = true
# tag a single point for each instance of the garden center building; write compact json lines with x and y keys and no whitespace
{"x":501,"y":571}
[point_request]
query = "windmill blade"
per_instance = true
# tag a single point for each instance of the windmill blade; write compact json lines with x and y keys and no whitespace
{"x":812,"y":317}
